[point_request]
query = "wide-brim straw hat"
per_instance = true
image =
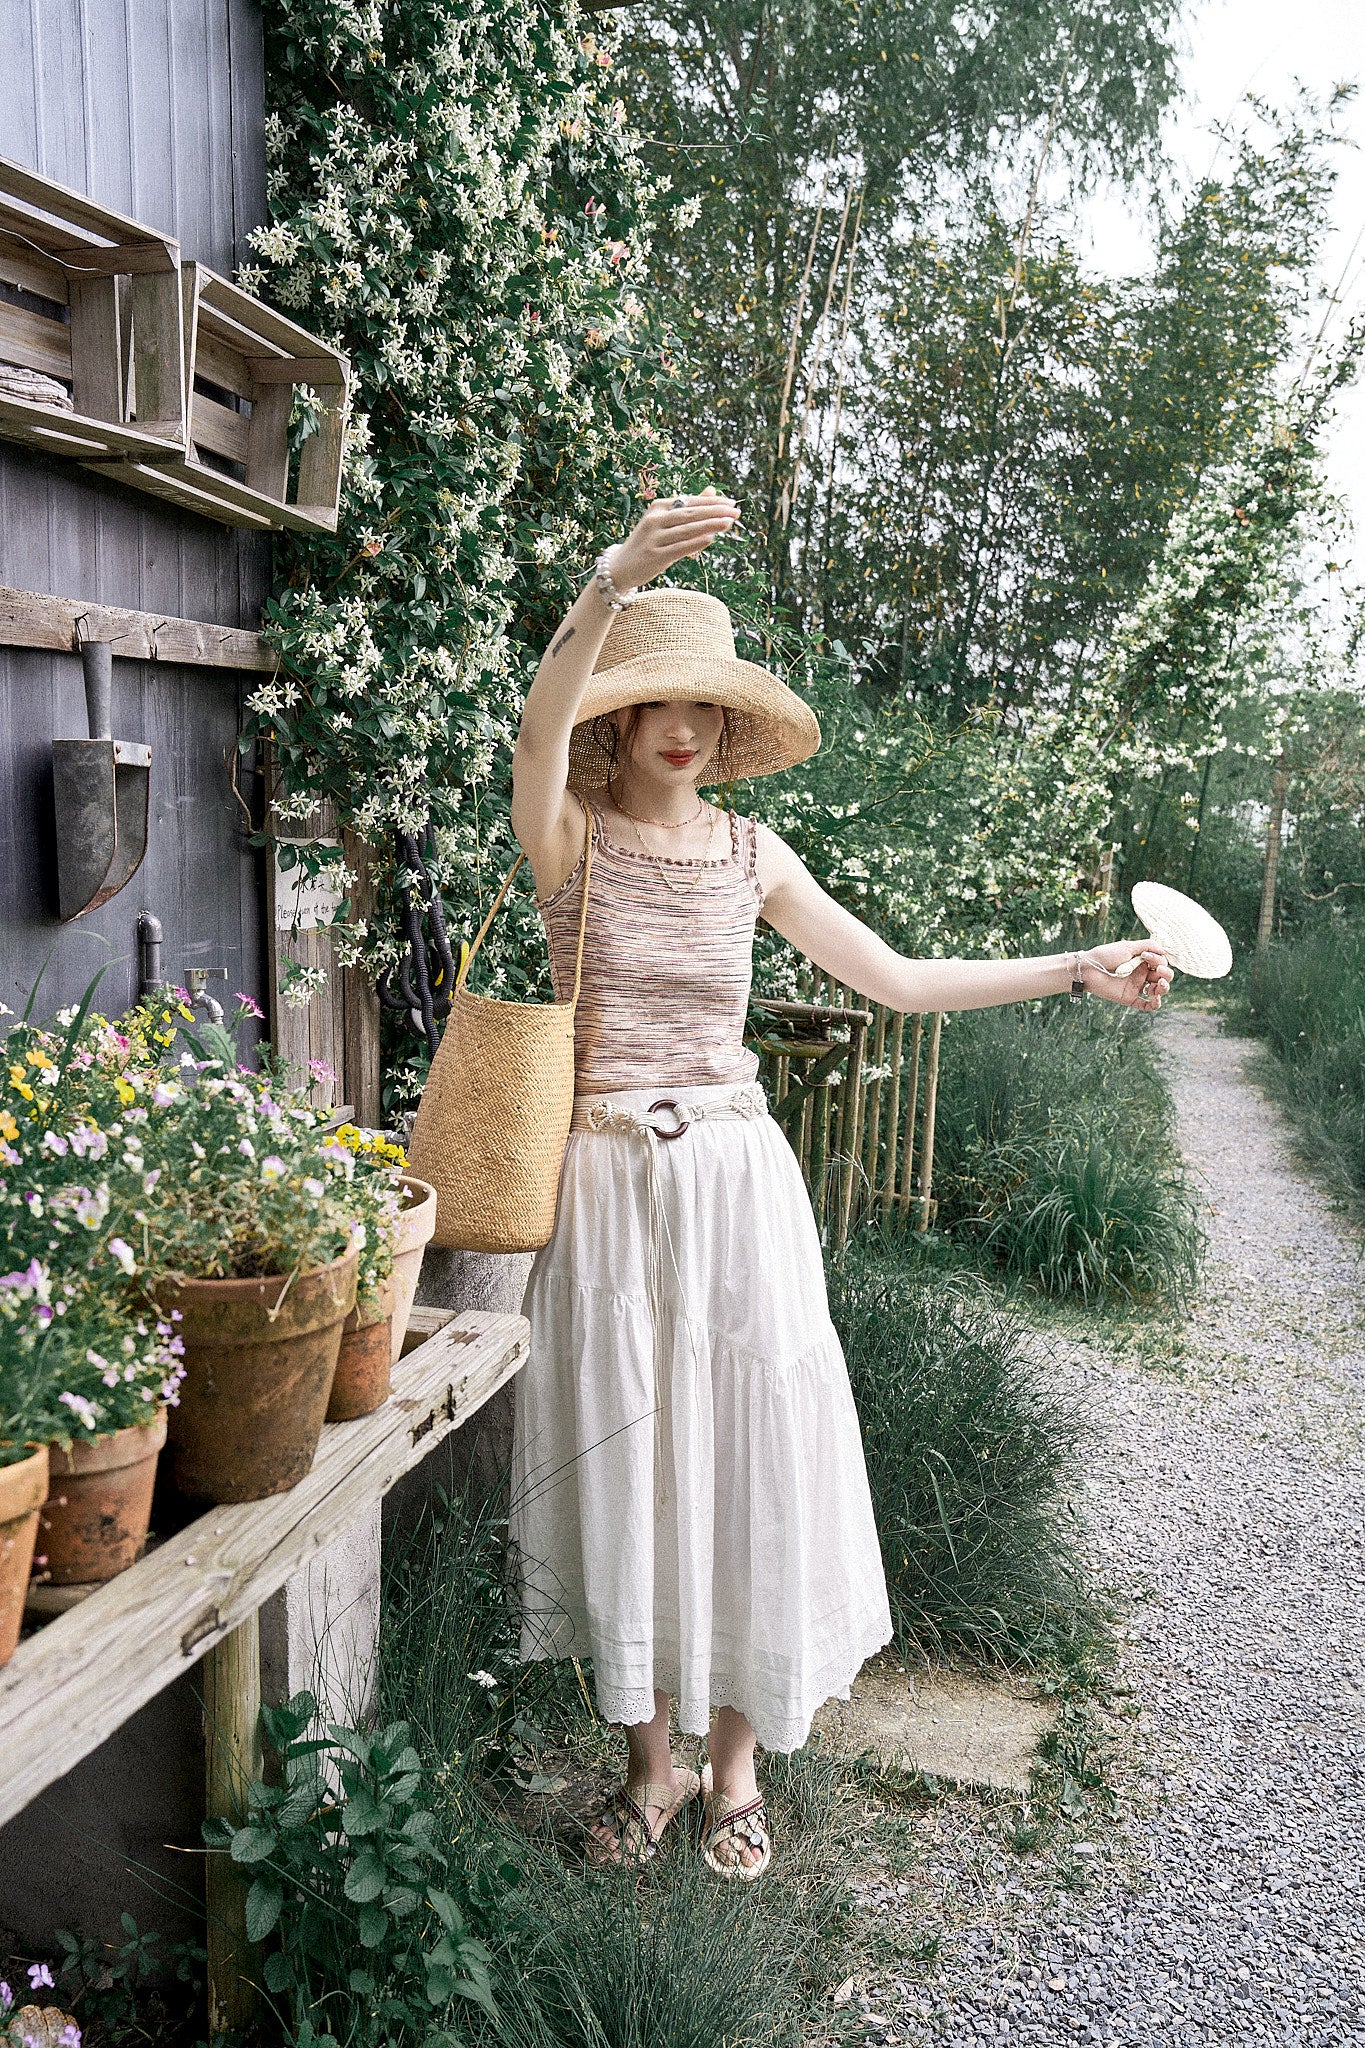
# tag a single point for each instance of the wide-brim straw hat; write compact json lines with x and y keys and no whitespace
{"x":672,"y":645}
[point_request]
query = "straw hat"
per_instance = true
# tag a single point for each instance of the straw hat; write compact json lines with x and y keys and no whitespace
{"x":679,"y":644}
{"x":1193,"y":941}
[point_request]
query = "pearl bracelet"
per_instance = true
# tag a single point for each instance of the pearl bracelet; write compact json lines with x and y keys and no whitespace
{"x":614,"y":599}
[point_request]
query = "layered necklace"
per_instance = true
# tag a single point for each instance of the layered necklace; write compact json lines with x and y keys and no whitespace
{"x":673,"y":825}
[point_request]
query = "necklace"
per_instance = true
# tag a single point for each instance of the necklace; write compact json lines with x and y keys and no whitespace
{"x":678,"y":888}
{"x":664,"y":824}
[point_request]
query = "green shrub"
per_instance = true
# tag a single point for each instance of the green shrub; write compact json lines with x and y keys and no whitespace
{"x":968,"y":1452}
{"x":1055,"y":1153}
{"x":1308,"y":1002}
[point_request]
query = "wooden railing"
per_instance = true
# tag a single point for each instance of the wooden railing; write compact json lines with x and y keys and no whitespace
{"x":857,"y":1092}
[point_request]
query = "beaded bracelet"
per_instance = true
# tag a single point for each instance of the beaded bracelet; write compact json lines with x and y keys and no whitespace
{"x":614,"y":599}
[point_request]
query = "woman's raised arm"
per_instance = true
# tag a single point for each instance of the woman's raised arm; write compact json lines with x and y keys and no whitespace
{"x":834,"y":939}
{"x":548,"y":824}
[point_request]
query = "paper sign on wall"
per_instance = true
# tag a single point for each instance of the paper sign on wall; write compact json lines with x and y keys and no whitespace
{"x":304,"y":902}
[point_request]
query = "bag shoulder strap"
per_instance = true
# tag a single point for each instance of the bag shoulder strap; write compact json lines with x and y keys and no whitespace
{"x":499,"y":899}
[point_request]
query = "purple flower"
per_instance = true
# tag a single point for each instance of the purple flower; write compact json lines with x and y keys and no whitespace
{"x":40,"y":1975}
{"x":320,"y":1070}
{"x":6,"y":1997}
{"x":79,"y":1406}
{"x":249,"y":1004}
{"x":162,"y":1096}
{"x":247,"y":1148}
{"x":124,"y":1253}
{"x":53,"y":1142}
{"x":43,"y":1313}
{"x":70,"y":2036}
{"x":272,"y":1167}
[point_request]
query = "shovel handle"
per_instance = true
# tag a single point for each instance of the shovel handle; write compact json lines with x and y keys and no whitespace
{"x":97,"y":661}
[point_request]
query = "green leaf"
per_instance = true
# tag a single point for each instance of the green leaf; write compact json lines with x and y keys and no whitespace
{"x":361,"y":1981}
{"x":365,"y":1878}
{"x":263,"y":1903}
{"x":362,"y":1814}
{"x":446,"y":1910}
{"x":253,"y":1845}
{"x":278,"y":1973}
{"x":373,"y":1926}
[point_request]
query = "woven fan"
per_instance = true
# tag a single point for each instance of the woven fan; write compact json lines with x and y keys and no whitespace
{"x":1192,"y":941}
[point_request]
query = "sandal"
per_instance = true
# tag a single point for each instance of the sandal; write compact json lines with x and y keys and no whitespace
{"x":741,"y":1821}
{"x":627,"y":1815}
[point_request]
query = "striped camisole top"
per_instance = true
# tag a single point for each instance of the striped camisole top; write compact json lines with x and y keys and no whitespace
{"x":666,"y":976}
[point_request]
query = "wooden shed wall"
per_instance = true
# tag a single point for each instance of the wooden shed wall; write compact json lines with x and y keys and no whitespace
{"x":156,"y":108}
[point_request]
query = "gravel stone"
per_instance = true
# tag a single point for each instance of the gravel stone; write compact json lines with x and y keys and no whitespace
{"x":1227,"y":1501}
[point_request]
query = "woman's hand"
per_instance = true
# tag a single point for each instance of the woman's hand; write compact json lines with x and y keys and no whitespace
{"x":1141,"y":987}
{"x":671,"y":529}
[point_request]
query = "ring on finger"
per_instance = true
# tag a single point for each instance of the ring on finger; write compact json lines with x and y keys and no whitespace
{"x":676,"y":504}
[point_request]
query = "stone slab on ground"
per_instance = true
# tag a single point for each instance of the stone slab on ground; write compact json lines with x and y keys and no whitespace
{"x":948,"y":1724}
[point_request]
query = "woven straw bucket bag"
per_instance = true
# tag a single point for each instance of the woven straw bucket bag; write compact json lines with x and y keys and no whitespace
{"x":493,"y":1121}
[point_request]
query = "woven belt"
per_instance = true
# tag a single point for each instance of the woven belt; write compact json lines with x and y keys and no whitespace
{"x":676,"y":1115}
{"x":604,"y":1113}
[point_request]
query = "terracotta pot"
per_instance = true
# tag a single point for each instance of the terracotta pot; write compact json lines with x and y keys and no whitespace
{"x":99,"y":1503}
{"x":42,"y":2025}
{"x":260,"y":1356}
{"x":23,"y":1489}
{"x":363,"y":1363}
{"x":416,"y":1223}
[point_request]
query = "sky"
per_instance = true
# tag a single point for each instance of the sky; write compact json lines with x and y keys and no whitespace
{"x":1233,"y":47}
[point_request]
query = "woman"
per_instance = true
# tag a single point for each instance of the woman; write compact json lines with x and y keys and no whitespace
{"x":691,"y":1504}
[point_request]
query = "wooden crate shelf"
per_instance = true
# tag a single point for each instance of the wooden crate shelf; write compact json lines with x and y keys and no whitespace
{"x":243,"y":362}
{"x":74,"y":1681}
{"x":91,"y":300}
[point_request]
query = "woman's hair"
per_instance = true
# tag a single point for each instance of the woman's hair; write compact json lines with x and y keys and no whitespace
{"x":615,"y":741}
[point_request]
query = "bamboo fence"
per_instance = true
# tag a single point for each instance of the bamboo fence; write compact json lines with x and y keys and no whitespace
{"x":856,"y":1091}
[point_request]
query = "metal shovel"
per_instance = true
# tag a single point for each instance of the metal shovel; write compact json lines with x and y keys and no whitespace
{"x":102,"y":792}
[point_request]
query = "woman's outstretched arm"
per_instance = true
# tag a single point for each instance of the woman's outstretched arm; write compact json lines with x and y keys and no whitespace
{"x":546,"y":820}
{"x":834,"y":939}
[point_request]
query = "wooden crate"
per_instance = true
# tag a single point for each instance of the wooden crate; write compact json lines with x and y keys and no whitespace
{"x":91,"y":300}
{"x":242,"y":364}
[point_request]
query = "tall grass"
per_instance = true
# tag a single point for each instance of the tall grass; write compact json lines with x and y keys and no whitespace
{"x":1308,"y":1002}
{"x":969,"y":1452}
{"x":584,"y":1958}
{"x":1056,"y":1160}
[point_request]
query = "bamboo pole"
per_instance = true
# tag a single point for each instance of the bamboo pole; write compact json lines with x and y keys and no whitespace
{"x":850,"y":1152}
{"x":819,"y":1152}
{"x":893,"y":1114}
{"x":926,"y":1151}
{"x":907,"y":1181}
{"x":232,"y":1758}
{"x":873,"y":1121}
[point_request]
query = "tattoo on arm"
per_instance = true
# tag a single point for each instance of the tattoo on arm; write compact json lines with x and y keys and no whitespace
{"x":562,"y":642}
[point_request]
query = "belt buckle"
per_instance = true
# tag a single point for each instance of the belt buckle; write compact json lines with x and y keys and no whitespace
{"x":667,"y":1102}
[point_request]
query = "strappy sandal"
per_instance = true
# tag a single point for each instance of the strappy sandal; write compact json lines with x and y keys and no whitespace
{"x":628,"y":1817}
{"x":743,"y":1822}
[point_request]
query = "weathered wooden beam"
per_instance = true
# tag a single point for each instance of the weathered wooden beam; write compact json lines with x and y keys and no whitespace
{"x":30,"y":618}
{"x":232,"y":1758}
{"x":71,"y":1684}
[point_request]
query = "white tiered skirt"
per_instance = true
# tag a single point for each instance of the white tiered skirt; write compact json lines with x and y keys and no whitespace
{"x":718,"y":1543}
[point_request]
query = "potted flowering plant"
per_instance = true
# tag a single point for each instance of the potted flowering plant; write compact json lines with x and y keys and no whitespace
{"x":363,"y":1367}
{"x":252,"y":1231}
{"x":87,"y":1366}
{"x":226,"y":1220}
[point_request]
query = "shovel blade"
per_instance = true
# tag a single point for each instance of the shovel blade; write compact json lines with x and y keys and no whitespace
{"x":101,"y":793}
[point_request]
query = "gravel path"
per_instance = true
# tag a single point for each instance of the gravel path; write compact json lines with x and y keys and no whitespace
{"x":1229,"y":1502}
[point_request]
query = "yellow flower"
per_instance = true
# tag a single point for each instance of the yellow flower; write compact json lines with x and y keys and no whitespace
{"x":181,"y":1011}
{"x":8,"y":1127}
{"x":24,"y":1090}
{"x":126,"y":1091}
{"x":36,"y":1058}
{"x":16,"y":1075}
